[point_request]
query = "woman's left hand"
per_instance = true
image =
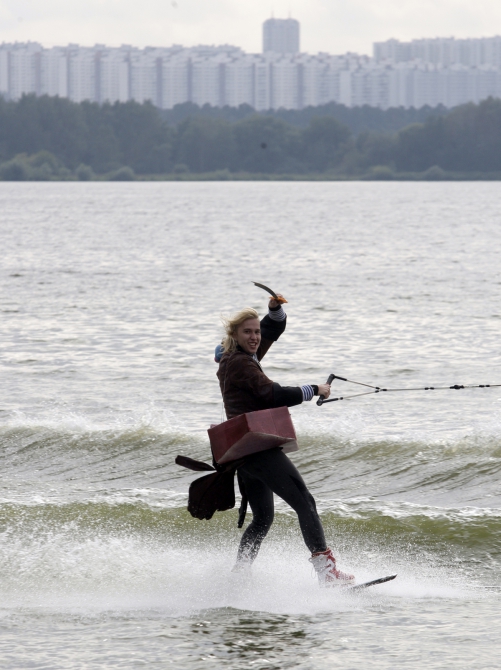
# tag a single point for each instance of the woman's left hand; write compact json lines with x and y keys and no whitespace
{"x":325,"y":390}
{"x":275,"y":303}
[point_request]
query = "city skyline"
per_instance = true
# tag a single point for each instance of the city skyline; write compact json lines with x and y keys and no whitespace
{"x":414,"y":74}
{"x":390,"y":49}
{"x":332,"y":26}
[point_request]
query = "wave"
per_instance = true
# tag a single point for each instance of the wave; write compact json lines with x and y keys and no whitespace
{"x":463,"y":471}
{"x":41,"y":452}
{"x":452,"y":473}
{"x":162,"y":515}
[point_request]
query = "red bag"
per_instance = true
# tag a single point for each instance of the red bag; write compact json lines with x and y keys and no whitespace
{"x":252,"y":432}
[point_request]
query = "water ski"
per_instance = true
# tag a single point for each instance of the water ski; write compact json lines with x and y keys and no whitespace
{"x":373,"y":582}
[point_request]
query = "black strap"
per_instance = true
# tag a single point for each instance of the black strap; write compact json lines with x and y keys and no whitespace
{"x":243,"y":504}
{"x":192,"y":464}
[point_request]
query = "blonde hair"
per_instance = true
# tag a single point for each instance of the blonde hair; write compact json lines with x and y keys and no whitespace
{"x":231,"y":325}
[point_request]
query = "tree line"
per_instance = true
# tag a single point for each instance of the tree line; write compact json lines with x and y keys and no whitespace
{"x":54,"y":138}
{"x":358,"y":119}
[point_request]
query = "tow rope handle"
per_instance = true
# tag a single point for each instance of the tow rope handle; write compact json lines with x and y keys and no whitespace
{"x":377,"y":389}
{"x":321,"y":398}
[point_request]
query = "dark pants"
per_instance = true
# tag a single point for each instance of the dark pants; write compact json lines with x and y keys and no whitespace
{"x":270,"y":472}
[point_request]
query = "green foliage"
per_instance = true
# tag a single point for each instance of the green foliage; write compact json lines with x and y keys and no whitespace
{"x":357,"y":119}
{"x":84,"y":172}
{"x":416,"y":149}
{"x":42,"y":166}
{"x":102,"y":150}
{"x":375,"y":149}
{"x":102,"y":137}
{"x":187,"y":110}
{"x":468,"y":139}
{"x":15,"y":170}
{"x":324,"y":142}
{"x":268,"y":145}
{"x":44,"y":138}
{"x":380,"y":173}
{"x":180,"y":168}
{"x":434,"y":173}
{"x":139,"y":131}
{"x":204,"y":144}
{"x":123,"y":174}
{"x":44,"y":124}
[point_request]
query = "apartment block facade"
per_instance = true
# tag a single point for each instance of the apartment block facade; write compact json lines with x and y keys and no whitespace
{"x":423,"y":72}
{"x":447,"y":51}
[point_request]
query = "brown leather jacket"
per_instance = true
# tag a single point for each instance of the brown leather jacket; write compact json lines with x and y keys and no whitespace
{"x":245,"y":387}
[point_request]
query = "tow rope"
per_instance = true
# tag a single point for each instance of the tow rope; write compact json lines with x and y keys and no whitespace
{"x":378,"y":389}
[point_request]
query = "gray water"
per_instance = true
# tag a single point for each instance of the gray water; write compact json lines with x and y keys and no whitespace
{"x":111,"y":302}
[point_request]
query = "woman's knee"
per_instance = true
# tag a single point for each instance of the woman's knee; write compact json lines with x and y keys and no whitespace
{"x":304,"y":501}
{"x":311,"y":502}
{"x":263,"y":519}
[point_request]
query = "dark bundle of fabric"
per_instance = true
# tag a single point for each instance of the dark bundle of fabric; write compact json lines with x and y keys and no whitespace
{"x":214,"y":492}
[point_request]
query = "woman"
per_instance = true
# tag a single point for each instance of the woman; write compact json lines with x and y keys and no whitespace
{"x":245,"y":388}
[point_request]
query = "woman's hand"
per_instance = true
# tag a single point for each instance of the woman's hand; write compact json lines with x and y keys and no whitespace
{"x":275,"y":303}
{"x":325,"y":390}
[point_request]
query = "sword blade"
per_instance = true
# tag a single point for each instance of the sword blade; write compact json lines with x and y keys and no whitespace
{"x":265,"y":288}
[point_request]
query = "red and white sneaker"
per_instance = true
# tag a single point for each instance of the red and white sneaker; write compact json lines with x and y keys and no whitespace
{"x":327,"y":573}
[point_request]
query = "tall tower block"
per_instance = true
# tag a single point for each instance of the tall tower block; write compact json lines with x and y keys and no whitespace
{"x":281,"y":36}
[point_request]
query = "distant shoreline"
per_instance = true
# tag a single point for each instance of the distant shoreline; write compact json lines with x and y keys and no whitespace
{"x":382,"y":176}
{"x":223,"y":175}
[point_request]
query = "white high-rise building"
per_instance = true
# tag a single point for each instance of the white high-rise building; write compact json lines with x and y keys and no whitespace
{"x":143,"y":70}
{"x":207,"y":81}
{"x":81,"y":73}
{"x":281,"y":36}
{"x":398,"y":85}
{"x":284,"y":84}
{"x":175,"y":80}
{"x":54,"y":72}
{"x":262,"y":85}
{"x":5,"y":70}
{"x":444,"y":51}
{"x":112,"y":75}
{"x":239,"y":76}
{"x":23,"y":73}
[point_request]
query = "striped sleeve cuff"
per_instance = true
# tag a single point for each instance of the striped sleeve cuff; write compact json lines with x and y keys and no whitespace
{"x":308,"y":392}
{"x":277,"y":314}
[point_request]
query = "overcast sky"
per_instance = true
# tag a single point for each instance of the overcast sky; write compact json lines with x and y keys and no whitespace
{"x":335,"y":26}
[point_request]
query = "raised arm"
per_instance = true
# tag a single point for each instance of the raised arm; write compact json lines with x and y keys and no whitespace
{"x":272,"y":326}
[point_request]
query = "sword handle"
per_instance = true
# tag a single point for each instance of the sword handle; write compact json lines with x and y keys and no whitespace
{"x":321,"y":398}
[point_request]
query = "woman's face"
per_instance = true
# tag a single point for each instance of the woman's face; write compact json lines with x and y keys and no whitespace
{"x":248,"y":335}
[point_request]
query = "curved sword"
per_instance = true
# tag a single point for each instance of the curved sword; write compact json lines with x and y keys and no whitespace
{"x":280,"y":299}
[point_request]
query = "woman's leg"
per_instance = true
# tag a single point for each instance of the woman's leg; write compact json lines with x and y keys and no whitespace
{"x":260,"y":498}
{"x":278,"y":474}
